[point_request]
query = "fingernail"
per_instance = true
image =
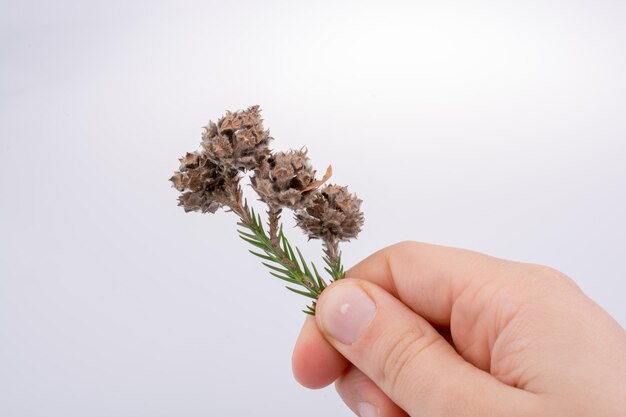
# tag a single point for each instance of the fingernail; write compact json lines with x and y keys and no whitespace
{"x":346,"y":312}
{"x":367,"y":410}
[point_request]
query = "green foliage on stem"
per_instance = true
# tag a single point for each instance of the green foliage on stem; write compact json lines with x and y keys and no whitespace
{"x":334,"y":269}
{"x":286,"y":262}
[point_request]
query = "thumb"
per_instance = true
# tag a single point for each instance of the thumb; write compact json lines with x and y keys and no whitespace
{"x":408,"y":359}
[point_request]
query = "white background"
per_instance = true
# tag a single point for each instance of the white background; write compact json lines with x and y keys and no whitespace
{"x":493,"y":125}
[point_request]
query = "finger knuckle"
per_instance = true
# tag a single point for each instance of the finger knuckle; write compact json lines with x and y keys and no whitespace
{"x":547,"y":276}
{"x":404,"y":350}
{"x":406,"y":246}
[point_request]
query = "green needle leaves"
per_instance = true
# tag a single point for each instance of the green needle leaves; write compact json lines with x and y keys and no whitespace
{"x":280,"y":258}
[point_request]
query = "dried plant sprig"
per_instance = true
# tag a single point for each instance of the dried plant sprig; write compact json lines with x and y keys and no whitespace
{"x":209,"y":179}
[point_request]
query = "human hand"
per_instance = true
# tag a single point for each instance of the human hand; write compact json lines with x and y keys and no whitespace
{"x":427,"y":331}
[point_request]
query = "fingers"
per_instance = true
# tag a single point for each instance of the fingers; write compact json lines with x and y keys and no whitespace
{"x":430,"y":278}
{"x":363,"y":397}
{"x":454,"y":289}
{"x":470,"y":293}
{"x":315,"y":362}
{"x":407,"y":358}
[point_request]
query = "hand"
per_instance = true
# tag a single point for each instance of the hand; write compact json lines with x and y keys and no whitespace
{"x":427,"y":331}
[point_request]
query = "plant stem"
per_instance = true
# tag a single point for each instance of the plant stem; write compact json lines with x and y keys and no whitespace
{"x":239,"y":206}
{"x":331,"y":250}
{"x":272,"y":246}
{"x":274,"y":217}
{"x":284,"y":261}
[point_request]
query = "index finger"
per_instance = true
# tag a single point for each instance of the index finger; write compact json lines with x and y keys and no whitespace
{"x":428,"y":278}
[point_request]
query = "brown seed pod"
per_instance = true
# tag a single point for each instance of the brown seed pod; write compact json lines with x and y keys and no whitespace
{"x":286,"y":179}
{"x":204,"y":186}
{"x":237,"y":140}
{"x":333,"y":214}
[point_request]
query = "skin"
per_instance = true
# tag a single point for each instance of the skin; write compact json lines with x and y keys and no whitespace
{"x":459,"y":333}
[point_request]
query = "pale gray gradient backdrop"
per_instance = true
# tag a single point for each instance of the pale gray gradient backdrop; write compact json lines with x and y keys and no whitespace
{"x":492,"y":125}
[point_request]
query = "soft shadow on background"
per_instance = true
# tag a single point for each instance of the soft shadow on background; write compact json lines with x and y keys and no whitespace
{"x":492,"y":125}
